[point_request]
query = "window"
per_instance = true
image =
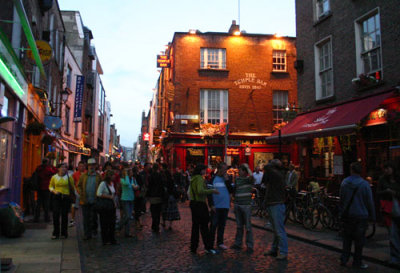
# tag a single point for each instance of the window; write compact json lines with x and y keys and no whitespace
{"x":323,"y":69}
{"x":5,"y":158}
{"x":279,"y":61}
{"x":214,"y":106}
{"x":280,"y":101}
{"x":214,"y":58}
{"x":69,"y":77}
{"x":322,"y":8}
{"x":67,"y":119}
{"x":4,"y":108}
{"x":368,"y":44}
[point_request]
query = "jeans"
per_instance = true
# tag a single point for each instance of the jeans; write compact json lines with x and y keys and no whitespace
{"x":107,"y":224}
{"x":395,"y":241}
{"x":61,"y":205}
{"x":277,"y":218}
{"x":243,"y":218}
{"x":127,"y":207}
{"x":89,"y":220}
{"x":43,"y":200}
{"x":200,"y":220}
{"x":354,"y":230}
{"x":218,"y":223}
{"x":155,"y":210}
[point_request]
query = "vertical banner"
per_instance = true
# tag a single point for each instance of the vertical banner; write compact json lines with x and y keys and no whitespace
{"x":80,"y":80}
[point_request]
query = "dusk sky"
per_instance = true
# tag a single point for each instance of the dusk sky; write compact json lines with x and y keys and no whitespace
{"x":128,"y":35}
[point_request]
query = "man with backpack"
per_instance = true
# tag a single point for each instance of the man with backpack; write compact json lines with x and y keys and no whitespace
{"x":356,"y":206}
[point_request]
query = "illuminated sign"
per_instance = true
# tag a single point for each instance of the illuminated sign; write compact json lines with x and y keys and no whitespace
{"x":163,"y":61}
{"x":195,"y":152}
{"x":146,"y":137}
{"x":44,"y":49}
{"x":233,"y":151}
{"x":377,"y":117}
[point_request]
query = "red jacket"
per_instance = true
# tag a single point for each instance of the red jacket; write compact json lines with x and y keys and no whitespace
{"x":45,"y":172}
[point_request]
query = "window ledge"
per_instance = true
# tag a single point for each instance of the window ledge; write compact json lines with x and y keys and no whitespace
{"x":280,"y":72}
{"x":213,"y":69}
{"x":363,"y":87}
{"x":323,"y":18}
{"x":326,"y":99}
{"x":67,"y":133}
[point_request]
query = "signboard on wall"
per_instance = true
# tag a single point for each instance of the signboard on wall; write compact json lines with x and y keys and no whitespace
{"x":80,"y":80}
{"x":163,"y":61}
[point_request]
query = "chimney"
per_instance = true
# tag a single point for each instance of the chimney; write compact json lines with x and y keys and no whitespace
{"x":234,"y":27}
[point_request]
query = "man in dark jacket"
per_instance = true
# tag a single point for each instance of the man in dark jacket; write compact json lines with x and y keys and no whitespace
{"x":274,"y":181}
{"x":44,"y":173}
{"x":155,"y":195}
{"x":357,"y":206}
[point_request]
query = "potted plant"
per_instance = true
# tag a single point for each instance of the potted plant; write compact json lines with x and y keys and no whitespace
{"x":35,"y":128}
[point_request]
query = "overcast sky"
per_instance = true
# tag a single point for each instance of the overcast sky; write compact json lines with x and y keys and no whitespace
{"x":128,"y":35}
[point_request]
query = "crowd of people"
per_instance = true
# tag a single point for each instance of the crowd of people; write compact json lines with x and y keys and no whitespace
{"x":117,"y":194}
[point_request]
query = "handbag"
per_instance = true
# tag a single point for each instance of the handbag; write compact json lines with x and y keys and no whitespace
{"x":72,"y":195}
{"x":395,"y":208}
{"x":345,"y":214}
{"x":104,"y":204}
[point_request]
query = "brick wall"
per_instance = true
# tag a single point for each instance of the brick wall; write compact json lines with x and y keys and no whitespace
{"x":249,"y":111}
{"x":340,"y":25}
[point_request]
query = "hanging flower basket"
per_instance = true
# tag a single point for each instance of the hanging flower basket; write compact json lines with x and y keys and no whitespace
{"x":35,"y":128}
{"x":48,"y":140}
{"x":279,"y":126}
{"x":210,"y":130}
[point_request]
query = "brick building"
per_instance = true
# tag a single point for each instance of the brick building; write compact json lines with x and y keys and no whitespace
{"x":213,"y":81}
{"x":348,"y":85}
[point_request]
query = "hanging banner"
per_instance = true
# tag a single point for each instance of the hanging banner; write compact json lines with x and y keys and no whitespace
{"x":80,"y":80}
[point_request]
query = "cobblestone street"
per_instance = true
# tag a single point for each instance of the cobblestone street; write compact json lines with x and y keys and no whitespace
{"x":169,"y":252}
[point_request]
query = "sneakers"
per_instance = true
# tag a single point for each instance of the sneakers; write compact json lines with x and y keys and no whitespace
{"x":222,"y":246}
{"x":54,"y":237}
{"x":362,"y":266}
{"x":71,"y":223}
{"x":211,"y":251}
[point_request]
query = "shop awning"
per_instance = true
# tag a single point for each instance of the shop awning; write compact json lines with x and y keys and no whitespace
{"x":336,"y":119}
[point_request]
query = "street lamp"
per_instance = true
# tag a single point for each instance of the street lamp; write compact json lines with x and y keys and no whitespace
{"x":64,"y":95}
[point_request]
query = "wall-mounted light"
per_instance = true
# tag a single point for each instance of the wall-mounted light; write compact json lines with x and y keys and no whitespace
{"x":192,"y":31}
{"x":236,"y":33}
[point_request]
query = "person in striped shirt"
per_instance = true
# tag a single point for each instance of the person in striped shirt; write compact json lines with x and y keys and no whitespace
{"x":243,"y":188}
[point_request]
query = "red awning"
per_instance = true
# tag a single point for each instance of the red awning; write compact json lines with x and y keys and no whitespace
{"x":338,"y":119}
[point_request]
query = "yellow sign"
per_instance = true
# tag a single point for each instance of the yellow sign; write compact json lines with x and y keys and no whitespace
{"x":44,"y":49}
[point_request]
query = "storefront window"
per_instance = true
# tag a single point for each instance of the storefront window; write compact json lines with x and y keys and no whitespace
{"x":5,"y":158}
{"x":194,"y":156}
{"x":215,"y":156}
{"x":322,"y":158}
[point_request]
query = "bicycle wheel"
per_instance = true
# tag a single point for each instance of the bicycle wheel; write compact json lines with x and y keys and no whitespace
{"x":325,"y":217}
{"x":310,"y":217}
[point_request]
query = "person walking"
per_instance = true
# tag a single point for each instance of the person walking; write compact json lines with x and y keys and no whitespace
{"x":291,"y":179}
{"x":76,"y":175}
{"x":274,"y":181}
{"x":389,"y":192}
{"x":128,"y":185}
{"x":44,"y":173}
{"x":155,"y":194}
{"x":220,"y":204}
{"x":200,"y":215}
{"x":107,"y":191}
{"x":170,"y":209}
{"x":243,"y":192}
{"x":87,"y":187}
{"x":356,"y":207}
{"x":139,"y":197}
{"x":60,"y":186}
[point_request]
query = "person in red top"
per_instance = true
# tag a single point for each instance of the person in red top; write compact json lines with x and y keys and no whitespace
{"x":76,"y":176}
{"x":44,"y":172}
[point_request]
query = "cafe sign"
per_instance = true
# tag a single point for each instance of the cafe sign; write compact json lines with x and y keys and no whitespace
{"x":233,"y":151}
{"x":377,"y":117}
{"x":195,"y":152}
{"x":45,"y":51}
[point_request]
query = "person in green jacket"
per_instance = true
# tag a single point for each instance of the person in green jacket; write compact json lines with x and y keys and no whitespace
{"x":200,"y":215}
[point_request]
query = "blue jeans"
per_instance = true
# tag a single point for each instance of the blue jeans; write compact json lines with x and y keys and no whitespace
{"x":218,"y":221}
{"x":277,"y":218}
{"x":243,"y":218}
{"x":395,"y":241}
{"x":127,"y":207}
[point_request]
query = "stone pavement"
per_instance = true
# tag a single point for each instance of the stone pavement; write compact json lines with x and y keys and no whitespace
{"x":376,"y":248}
{"x":169,"y":252}
{"x":35,"y":252}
